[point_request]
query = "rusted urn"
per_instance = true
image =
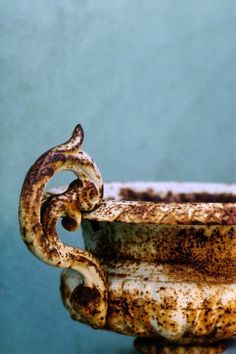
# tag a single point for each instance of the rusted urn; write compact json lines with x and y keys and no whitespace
{"x":159,"y":258}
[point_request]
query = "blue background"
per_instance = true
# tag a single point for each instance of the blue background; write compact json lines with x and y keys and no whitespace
{"x":153,"y":84}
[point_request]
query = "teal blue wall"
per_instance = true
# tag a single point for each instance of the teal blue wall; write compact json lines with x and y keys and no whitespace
{"x":153,"y":84}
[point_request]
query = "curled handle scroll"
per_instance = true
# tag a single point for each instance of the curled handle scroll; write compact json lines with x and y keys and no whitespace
{"x":38,"y":219}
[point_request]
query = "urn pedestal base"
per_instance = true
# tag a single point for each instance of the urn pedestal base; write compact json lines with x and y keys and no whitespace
{"x":159,"y":346}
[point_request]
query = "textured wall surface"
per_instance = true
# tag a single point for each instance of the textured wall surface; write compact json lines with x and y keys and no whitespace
{"x":153,"y":84}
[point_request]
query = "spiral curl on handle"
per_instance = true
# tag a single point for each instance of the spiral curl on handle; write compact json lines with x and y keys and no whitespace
{"x":38,"y":219}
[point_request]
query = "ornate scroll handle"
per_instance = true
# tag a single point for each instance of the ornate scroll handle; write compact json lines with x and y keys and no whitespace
{"x":38,"y":219}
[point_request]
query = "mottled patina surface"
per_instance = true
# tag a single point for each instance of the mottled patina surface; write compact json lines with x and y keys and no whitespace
{"x":160,"y":258}
{"x":38,"y":214}
{"x":170,"y":265}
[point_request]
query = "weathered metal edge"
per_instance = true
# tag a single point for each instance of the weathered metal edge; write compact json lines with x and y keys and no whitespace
{"x":173,"y":213}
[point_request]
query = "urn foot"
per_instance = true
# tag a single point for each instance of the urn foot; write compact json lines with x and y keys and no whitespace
{"x":159,"y":346}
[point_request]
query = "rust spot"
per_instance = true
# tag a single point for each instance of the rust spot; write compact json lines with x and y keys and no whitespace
{"x":52,"y":250}
{"x":92,"y":193}
{"x":46,"y":172}
{"x":69,"y":224}
{"x":84,"y":296}
{"x":77,"y":183}
{"x":57,"y":157}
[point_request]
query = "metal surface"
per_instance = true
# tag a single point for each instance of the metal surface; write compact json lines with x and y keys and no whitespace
{"x":38,"y":218}
{"x":163,"y":266}
{"x":152,"y":346}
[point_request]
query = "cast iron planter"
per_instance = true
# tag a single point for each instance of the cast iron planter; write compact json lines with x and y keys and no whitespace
{"x":159,"y":258}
